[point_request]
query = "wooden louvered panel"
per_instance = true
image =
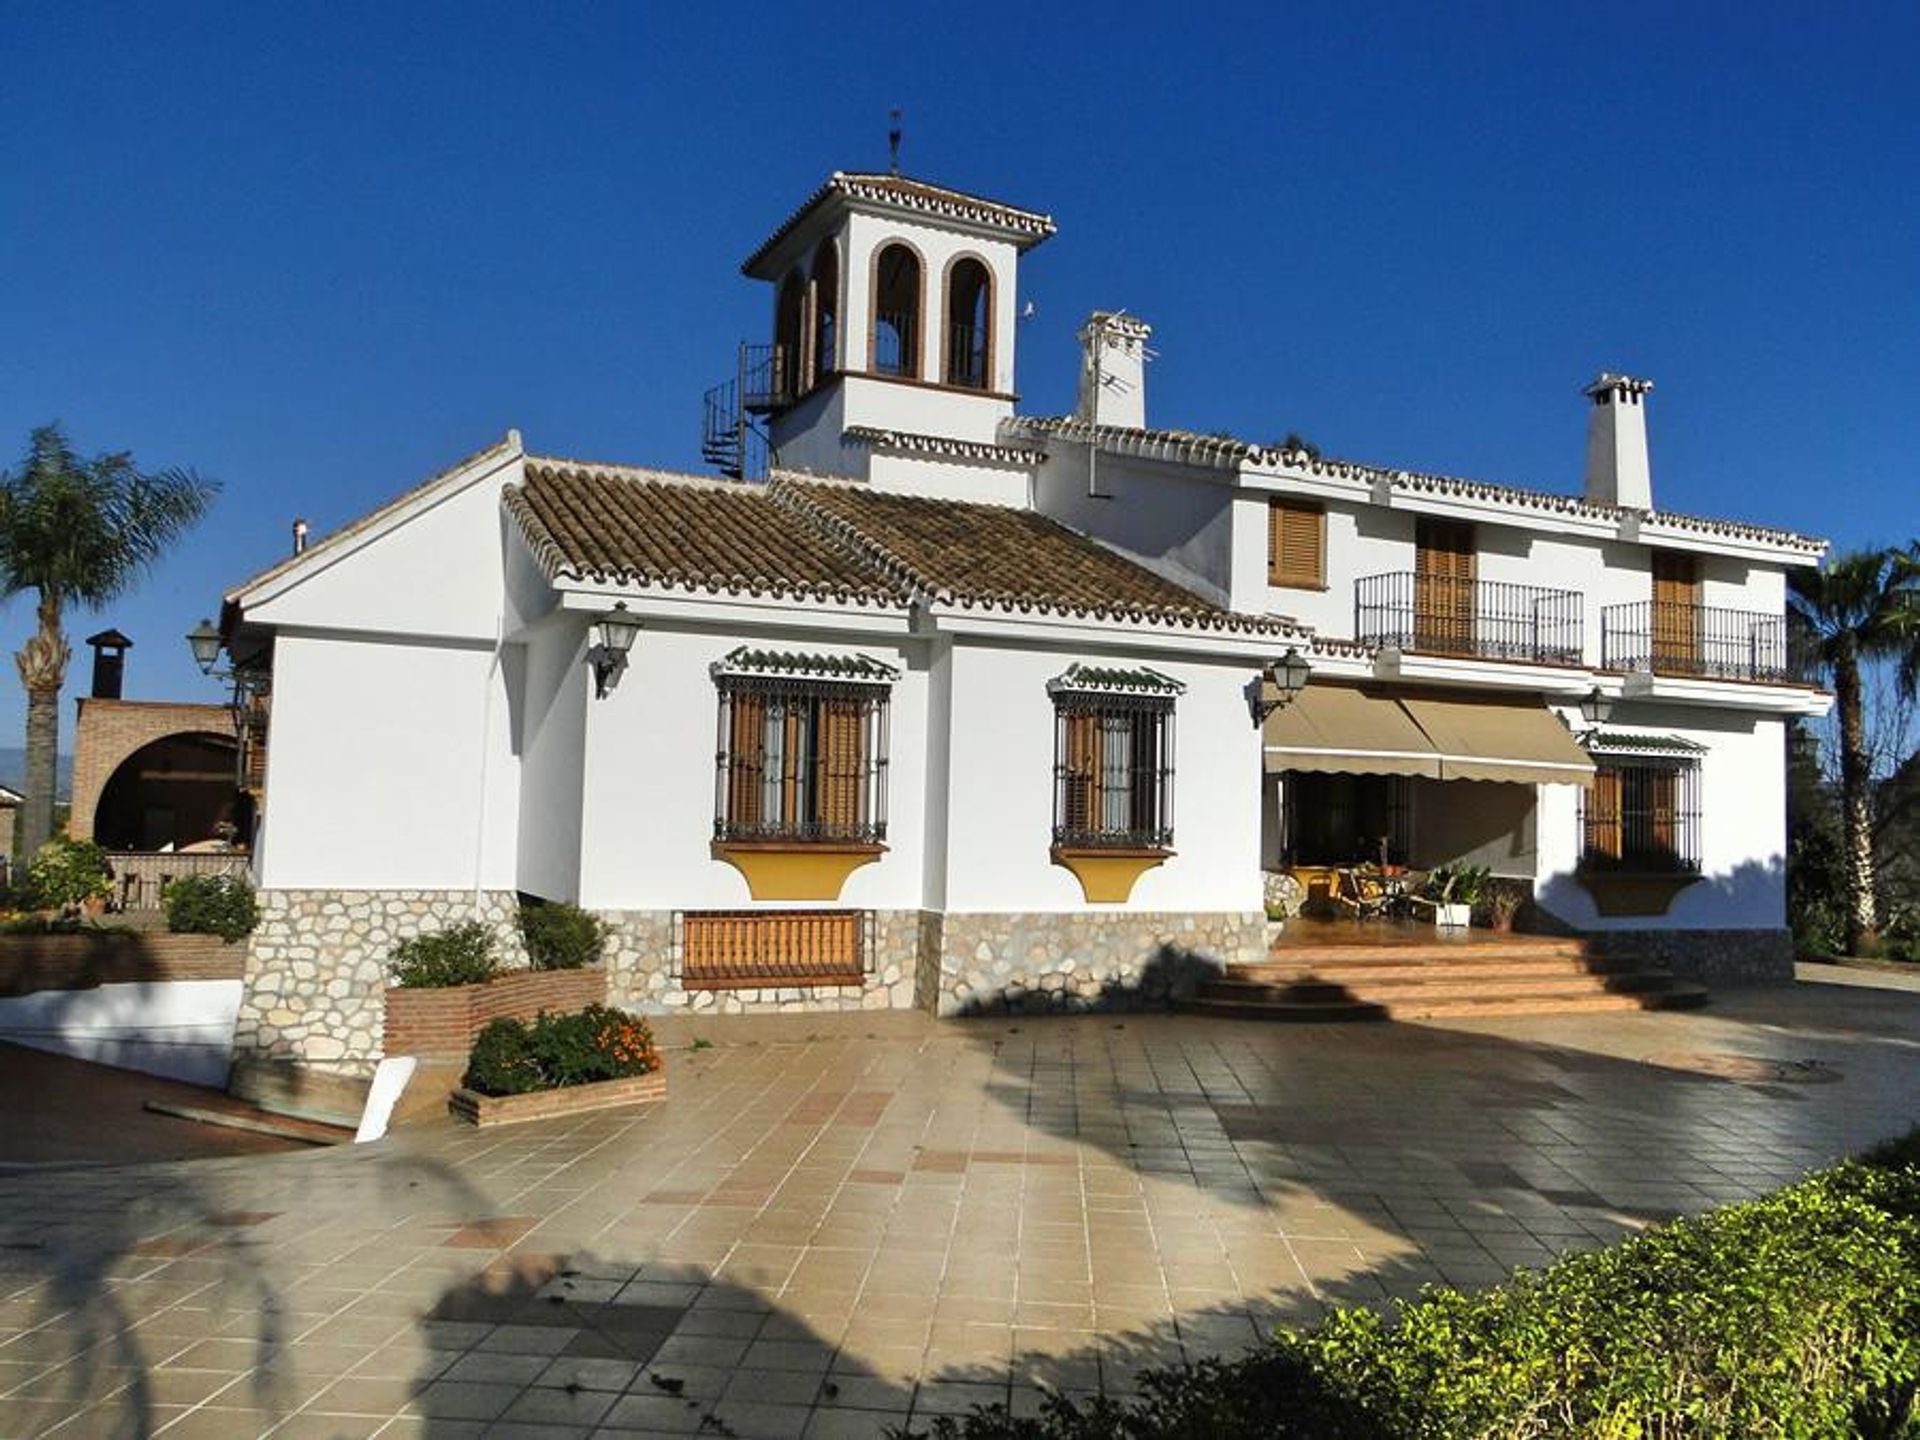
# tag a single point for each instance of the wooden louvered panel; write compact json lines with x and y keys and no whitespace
{"x":759,"y":949}
{"x":1676,"y":611}
{"x":1443,"y":586}
{"x":1603,"y":815}
{"x":840,"y":764}
{"x":1081,"y":807}
{"x":1296,"y":543}
{"x":746,"y":755}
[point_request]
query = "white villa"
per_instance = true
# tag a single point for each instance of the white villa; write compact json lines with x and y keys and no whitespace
{"x":960,"y":708}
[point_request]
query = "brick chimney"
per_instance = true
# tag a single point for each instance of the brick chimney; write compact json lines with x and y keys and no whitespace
{"x":109,"y":663}
{"x":1113,"y":370}
{"x":1617,"y":469}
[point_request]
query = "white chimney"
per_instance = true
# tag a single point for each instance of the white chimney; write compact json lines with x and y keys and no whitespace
{"x":1617,"y":468}
{"x":1113,"y":370}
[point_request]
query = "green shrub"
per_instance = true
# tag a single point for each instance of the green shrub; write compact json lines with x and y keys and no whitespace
{"x":561,"y":936}
{"x":459,"y":955}
{"x":513,"y":1057}
{"x":220,"y":905}
{"x":68,"y":872}
{"x":1794,"y":1315}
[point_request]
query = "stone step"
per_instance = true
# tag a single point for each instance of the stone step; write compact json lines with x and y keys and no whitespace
{"x":1681,"y":997}
{"x":1367,"y":972}
{"x":1532,"y":946}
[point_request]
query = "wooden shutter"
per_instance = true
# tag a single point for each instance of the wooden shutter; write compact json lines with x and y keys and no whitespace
{"x":1145,"y":764}
{"x":1603,"y":815}
{"x":746,"y":758}
{"x":840,"y":764}
{"x":1443,"y":586}
{"x":1080,"y":802}
{"x":1663,"y":814}
{"x":1676,"y":611}
{"x":1296,"y":543}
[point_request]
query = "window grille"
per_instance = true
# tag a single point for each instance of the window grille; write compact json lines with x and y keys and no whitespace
{"x":1113,"y":770}
{"x":800,"y":758}
{"x":1642,"y":814}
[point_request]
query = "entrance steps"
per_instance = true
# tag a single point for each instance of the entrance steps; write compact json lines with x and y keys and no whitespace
{"x":1442,"y":978}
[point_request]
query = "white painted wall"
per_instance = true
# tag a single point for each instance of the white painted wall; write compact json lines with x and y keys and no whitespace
{"x":441,"y":573}
{"x":938,"y":247}
{"x":551,"y":723}
{"x":950,"y":479}
{"x":1000,"y":814}
{"x":648,"y":782}
{"x":1743,"y":824}
{"x":181,"y":1029}
{"x":390,"y":765}
{"x":1177,"y":521}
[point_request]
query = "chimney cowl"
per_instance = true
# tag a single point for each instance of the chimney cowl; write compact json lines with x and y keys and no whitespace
{"x":1113,"y":370}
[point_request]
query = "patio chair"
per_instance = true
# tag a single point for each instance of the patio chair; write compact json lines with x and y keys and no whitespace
{"x":1362,"y":895}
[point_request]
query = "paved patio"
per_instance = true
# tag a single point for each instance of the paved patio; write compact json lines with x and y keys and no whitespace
{"x":840,"y":1224}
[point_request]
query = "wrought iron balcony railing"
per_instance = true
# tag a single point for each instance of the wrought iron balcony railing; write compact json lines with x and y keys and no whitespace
{"x":1705,"y":641}
{"x":1481,"y":619}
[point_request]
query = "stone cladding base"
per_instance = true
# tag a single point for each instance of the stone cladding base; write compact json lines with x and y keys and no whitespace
{"x":1711,"y":957}
{"x":1023,"y":963}
{"x":316,"y":972}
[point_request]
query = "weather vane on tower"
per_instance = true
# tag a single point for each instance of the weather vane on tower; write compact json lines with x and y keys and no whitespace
{"x":893,"y":143}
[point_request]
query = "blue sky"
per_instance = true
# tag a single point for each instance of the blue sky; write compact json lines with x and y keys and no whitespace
{"x":318,"y":252}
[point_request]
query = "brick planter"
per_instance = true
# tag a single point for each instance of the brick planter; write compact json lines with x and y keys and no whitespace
{"x":441,"y":1024}
{"x":485,"y":1110}
{"x":86,"y":958}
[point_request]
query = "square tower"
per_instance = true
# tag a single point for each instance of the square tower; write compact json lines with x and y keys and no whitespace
{"x":893,"y":311}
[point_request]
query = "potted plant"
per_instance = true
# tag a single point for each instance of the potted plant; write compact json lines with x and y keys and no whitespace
{"x":1453,"y":891}
{"x":1504,"y":899}
{"x":590,"y":1059}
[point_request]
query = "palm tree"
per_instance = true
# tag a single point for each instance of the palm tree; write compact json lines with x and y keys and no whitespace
{"x":1860,"y":608}
{"x":82,"y":531}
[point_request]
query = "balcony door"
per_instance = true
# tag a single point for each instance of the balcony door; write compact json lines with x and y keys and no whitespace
{"x":1443,"y":587}
{"x":1676,"y":612}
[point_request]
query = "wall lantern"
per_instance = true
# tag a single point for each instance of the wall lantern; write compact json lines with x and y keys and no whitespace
{"x":617,"y":629}
{"x":1287,"y":676}
{"x":205,"y":641}
{"x":1595,"y":708}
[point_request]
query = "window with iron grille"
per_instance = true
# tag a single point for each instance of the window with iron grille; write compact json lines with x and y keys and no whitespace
{"x":1113,"y":760}
{"x":800,"y":758}
{"x":1642,"y":815}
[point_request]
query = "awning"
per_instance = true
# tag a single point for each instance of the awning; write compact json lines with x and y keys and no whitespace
{"x":1340,"y":728}
{"x":1521,"y":742}
{"x":1347,"y":730}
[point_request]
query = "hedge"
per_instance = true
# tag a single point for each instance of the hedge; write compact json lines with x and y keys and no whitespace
{"x":1794,"y":1315}
{"x":513,"y":1057}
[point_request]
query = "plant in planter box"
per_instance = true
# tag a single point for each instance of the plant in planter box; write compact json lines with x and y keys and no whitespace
{"x":1504,"y":900}
{"x":222,"y":905}
{"x":66,"y":874}
{"x":517,"y":1057}
{"x":561,"y":936}
{"x":459,"y":955}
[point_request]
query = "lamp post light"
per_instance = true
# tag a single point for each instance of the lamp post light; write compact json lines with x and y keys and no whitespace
{"x":617,"y":629}
{"x":205,"y":640}
{"x":1596,"y":708}
{"x":1285,"y":678}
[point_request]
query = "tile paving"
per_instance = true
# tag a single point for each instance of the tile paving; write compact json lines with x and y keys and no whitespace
{"x":837,"y":1225}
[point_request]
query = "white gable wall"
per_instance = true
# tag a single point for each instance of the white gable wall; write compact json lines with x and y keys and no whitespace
{"x":389,"y":766}
{"x":552,"y":728}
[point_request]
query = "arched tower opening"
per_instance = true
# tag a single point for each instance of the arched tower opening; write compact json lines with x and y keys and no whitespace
{"x":969,"y":343}
{"x":896,"y":311}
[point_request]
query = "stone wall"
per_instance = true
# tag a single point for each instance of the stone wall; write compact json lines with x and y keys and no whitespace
{"x":1086,"y":959}
{"x":317,"y":969}
{"x":1711,"y":957}
{"x":643,"y":970}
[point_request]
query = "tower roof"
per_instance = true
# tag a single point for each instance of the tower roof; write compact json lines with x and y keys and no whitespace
{"x":899,"y":193}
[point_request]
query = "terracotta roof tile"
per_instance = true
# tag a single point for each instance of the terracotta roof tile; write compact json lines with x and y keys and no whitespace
{"x":993,"y":556}
{"x":610,"y":523}
{"x":1024,"y":227}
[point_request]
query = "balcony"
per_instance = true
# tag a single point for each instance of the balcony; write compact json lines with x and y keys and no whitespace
{"x":1703,"y":642}
{"x":1473,"y":619}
